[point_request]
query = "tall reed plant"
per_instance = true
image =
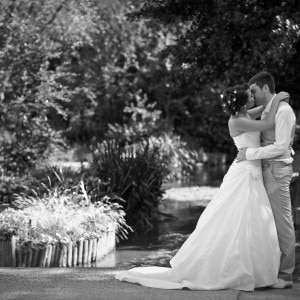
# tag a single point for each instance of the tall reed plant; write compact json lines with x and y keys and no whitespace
{"x":135,"y":173}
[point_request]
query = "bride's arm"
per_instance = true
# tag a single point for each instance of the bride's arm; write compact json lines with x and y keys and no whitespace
{"x":246,"y":125}
{"x":256,"y":112}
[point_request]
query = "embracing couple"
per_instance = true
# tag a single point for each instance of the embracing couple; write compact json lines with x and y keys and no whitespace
{"x":245,"y":237}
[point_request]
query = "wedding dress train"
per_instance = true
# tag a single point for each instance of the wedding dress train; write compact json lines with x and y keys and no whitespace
{"x":234,"y":245}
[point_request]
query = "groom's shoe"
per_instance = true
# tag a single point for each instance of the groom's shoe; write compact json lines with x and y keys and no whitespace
{"x":282,"y":284}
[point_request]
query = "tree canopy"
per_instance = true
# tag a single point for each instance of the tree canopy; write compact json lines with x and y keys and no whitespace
{"x":79,"y":71}
{"x":227,"y":42}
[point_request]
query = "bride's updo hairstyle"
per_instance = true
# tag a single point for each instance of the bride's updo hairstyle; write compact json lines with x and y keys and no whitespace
{"x":233,"y":98}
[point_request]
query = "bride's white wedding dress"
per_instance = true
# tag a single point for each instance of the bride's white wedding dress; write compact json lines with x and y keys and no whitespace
{"x":234,"y":245}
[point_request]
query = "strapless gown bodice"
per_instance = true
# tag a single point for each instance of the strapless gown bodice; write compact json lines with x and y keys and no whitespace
{"x":247,"y":139}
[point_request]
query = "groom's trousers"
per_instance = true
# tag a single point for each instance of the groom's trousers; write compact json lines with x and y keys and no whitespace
{"x":277,"y":177}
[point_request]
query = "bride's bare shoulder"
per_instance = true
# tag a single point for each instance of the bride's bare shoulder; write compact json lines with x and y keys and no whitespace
{"x":233,"y":126}
{"x":233,"y":121}
{"x":236,"y":120}
{"x":237,"y":123}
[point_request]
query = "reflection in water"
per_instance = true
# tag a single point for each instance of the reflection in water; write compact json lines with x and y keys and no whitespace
{"x":160,"y":244}
{"x":204,"y":176}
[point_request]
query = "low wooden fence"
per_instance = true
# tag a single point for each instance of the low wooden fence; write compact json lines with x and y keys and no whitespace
{"x":72,"y":254}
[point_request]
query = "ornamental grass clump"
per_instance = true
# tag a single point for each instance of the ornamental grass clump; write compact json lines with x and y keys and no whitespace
{"x":134,"y":173}
{"x":53,"y":217}
{"x":56,"y":231}
{"x":61,"y":217}
{"x":101,"y":217}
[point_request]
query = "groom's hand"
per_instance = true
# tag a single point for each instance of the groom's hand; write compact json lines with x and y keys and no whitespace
{"x":241,"y":156}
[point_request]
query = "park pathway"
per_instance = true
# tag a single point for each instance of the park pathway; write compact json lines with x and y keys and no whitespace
{"x":92,"y":283}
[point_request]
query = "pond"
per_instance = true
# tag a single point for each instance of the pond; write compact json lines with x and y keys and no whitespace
{"x":176,"y":221}
{"x":173,"y":226}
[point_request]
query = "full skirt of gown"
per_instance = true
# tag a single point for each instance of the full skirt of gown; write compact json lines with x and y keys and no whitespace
{"x":234,"y":245}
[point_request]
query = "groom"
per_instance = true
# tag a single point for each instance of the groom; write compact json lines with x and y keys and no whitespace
{"x":276,"y":155}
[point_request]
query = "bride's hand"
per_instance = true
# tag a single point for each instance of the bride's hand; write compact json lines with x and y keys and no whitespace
{"x":283,"y":96}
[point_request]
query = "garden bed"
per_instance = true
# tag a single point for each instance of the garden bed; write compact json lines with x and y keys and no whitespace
{"x":60,"y":226}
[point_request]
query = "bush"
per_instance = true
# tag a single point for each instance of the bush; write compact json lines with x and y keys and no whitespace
{"x":38,"y":182}
{"x":135,"y":173}
{"x":146,"y":126}
{"x":61,"y":216}
{"x":173,"y":150}
{"x":54,"y":193}
{"x":11,"y":185}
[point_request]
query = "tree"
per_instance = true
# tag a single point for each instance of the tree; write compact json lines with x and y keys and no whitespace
{"x":33,"y":35}
{"x":123,"y":65}
{"x":222,"y":43}
{"x":226,"y":42}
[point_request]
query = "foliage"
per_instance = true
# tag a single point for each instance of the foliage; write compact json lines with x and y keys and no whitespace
{"x":38,"y":182}
{"x":229,"y":41}
{"x":61,"y":216}
{"x":134,"y":173}
{"x":54,"y":177}
{"x":199,"y":119}
{"x":53,"y":198}
{"x":109,"y":73}
{"x":10,"y":185}
{"x":33,"y":35}
{"x":176,"y":153}
{"x":84,"y":62}
{"x":85,"y":70}
{"x":13,"y":222}
{"x":143,"y":122}
{"x":145,"y":125}
{"x":221,"y":43}
{"x":80,"y":70}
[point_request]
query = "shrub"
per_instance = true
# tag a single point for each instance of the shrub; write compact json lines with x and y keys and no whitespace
{"x":135,"y":173}
{"x":11,"y":185}
{"x":61,"y":216}
{"x":180,"y":158}
{"x":38,"y":182}
{"x":13,"y":222}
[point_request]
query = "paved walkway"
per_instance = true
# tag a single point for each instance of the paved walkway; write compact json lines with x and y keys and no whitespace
{"x":91,"y":283}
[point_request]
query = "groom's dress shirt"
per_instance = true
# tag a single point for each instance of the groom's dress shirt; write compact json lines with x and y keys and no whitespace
{"x":280,"y":149}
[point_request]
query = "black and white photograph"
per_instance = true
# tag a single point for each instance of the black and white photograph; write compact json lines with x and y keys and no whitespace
{"x":150,"y":149}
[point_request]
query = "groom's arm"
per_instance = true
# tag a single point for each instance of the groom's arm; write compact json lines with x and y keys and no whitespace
{"x":284,"y":123}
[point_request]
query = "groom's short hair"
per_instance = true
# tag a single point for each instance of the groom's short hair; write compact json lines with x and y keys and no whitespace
{"x":263,"y":78}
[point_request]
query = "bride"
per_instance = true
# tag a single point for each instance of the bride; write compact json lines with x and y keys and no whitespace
{"x":234,"y":245}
